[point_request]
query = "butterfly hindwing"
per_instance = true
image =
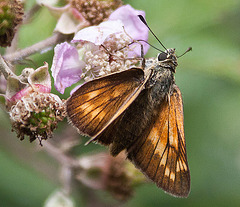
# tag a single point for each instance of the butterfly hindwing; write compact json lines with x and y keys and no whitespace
{"x":162,"y":154}
{"x":99,"y":102}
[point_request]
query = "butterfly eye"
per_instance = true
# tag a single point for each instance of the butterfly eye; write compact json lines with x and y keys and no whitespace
{"x":162,"y":56}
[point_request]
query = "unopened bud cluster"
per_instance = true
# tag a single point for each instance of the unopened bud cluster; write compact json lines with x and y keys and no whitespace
{"x":11,"y":15}
{"x":96,"y":11}
{"x":113,"y":174}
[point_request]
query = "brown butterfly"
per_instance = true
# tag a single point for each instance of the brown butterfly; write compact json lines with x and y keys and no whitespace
{"x":139,"y":110}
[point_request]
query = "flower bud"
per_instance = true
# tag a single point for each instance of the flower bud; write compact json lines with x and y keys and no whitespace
{"x":113,"y":174}
{"x":59,"y":198}
{"x":11,"y":15}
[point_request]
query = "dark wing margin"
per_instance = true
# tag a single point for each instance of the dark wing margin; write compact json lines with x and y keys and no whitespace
{"x":99,"y":102}
{"x":161,"y":156}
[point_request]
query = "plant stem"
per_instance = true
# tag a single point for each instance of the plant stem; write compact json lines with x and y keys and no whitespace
{"x":40,"y":46}
{"x":60,"y":156}
{"x":5,"y":70}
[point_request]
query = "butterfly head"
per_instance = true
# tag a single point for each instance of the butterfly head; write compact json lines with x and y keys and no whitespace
{"x":168,"y":59}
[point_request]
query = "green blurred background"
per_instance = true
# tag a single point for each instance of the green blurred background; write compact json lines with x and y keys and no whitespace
{"x":209,"y":78}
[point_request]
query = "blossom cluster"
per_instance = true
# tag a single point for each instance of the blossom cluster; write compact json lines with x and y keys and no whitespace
{"x":100,"y":50}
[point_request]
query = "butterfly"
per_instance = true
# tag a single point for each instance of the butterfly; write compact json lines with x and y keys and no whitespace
{"x":139,"y":110}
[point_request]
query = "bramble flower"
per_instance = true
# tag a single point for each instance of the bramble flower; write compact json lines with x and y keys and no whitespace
{"x":33,"y":110}
{"x":103,"y":49}
{"x":131,"y":27}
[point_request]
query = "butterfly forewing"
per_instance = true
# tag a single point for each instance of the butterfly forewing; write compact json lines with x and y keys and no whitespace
{"x":162,"y":155}
{"x":97,"y":103}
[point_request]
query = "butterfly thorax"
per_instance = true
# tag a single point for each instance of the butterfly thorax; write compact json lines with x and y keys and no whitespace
{"x":160,"y":72}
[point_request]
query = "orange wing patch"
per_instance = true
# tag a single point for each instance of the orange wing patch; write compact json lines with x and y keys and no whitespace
{"x":162,"y":155}
{"x":99,"y":102}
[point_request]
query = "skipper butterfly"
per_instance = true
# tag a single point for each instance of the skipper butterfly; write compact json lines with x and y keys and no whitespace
{"x":139,"y":110}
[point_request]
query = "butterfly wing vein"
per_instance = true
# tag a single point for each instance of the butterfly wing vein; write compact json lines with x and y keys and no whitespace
{"x":99,"y":102}
{"x":162,"y":155}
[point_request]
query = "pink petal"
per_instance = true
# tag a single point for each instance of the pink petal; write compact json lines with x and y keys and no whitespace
{"x":66,"y":68}
{"x":132,"y":25}
{"x":28,"y":90}
{"x":98,"y":34}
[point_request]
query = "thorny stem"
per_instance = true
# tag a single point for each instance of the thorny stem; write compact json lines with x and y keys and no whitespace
{"x":5,"y":70}
{"x":49,"y":42}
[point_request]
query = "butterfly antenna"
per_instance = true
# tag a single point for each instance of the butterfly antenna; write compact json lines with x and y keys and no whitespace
{"x":144,"y":22}
{"x":151,"y":45}
{"x":188,"y":50}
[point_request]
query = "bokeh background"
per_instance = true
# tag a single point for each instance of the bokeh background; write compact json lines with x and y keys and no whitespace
{"x":209,"y":78}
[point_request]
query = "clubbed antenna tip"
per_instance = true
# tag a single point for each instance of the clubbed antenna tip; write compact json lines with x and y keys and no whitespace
{"x":144,"y":22}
